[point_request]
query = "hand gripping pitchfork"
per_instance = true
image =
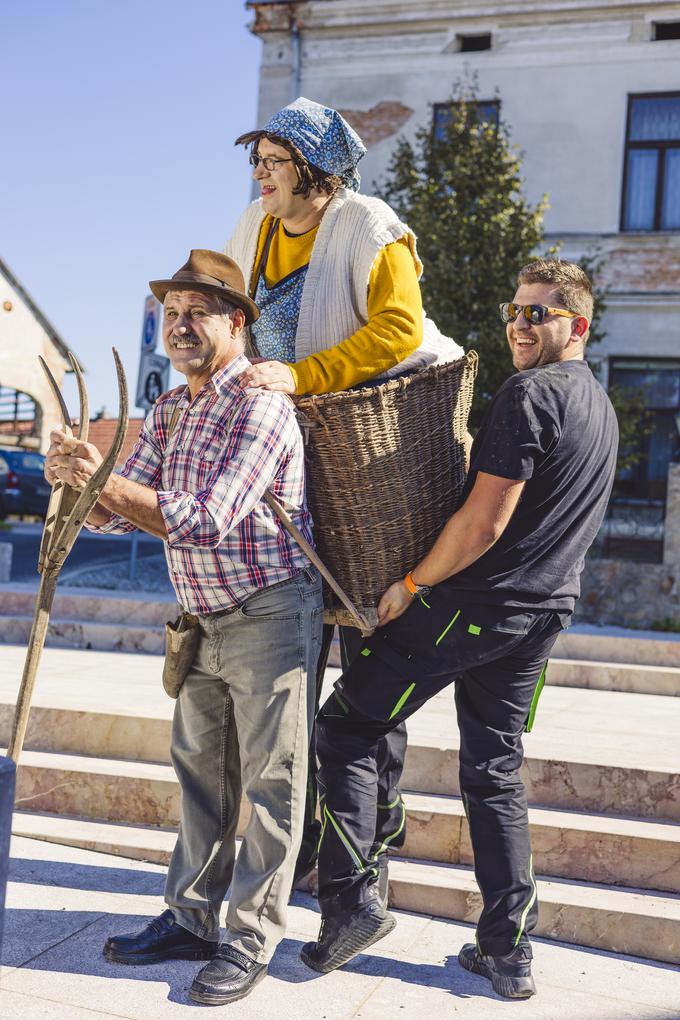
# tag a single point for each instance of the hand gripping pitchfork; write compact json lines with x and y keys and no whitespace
{"x":67,"y":510}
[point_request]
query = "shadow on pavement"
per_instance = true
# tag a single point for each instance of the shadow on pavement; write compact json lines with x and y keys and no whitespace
{"x":72,"y":943}
{"x":131,"y":881}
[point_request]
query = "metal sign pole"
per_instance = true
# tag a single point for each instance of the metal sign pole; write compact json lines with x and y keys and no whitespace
{"x":152,"y":380}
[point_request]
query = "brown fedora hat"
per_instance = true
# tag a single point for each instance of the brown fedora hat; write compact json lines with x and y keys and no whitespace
{"x":214,"y":272}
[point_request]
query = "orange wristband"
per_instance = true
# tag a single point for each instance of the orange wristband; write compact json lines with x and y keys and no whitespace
{"x":411,"y":584}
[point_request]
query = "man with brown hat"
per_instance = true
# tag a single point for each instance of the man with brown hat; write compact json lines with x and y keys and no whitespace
{"x":206,"y":456}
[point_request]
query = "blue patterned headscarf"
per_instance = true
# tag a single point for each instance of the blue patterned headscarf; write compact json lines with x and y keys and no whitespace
{"x":323,"y":137}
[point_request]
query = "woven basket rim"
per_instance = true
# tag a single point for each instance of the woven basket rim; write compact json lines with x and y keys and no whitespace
{"x":389,"y":386}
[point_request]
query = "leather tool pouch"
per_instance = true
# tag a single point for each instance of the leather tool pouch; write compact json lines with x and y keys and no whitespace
{"x":181,"y":642}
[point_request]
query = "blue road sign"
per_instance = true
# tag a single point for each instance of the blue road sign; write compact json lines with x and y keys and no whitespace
{"x":150,"y":323}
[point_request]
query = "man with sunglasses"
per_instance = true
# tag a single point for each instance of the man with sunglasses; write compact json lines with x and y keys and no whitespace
{"x":482,"y":611}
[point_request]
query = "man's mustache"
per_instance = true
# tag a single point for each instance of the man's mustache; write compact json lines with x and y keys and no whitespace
{"x":186,"y":336}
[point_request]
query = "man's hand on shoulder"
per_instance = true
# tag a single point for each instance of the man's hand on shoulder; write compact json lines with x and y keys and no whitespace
{"x":174,"y":392}
{"x":268,"y":375}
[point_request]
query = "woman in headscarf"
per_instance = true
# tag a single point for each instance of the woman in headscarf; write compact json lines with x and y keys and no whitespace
{"x":334,"y":273}
{"x":335,"y":276}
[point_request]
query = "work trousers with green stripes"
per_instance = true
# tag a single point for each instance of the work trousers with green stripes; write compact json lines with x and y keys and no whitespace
{"x":495,"y":657}
{"x":390,"y":830}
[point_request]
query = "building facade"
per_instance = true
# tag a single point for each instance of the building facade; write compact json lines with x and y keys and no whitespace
{"x":28,"y":408}
{"x":590,"y":93}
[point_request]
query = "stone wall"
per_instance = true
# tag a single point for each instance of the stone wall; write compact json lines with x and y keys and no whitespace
{"x":629,"y":594}
{"x":637,"y":594}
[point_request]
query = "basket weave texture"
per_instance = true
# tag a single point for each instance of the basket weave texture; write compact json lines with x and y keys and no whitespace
{"x":385,"y":471}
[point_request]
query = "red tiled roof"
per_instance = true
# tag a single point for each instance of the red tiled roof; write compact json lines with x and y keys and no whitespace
{"x":102,"y":431}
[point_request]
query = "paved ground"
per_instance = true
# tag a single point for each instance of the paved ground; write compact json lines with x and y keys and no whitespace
{"x":63,"y":902}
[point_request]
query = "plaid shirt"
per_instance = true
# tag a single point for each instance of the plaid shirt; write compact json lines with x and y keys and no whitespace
{"x":228,"y":448}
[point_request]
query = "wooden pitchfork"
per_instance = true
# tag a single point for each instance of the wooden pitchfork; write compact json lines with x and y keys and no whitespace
{"x":66,"y":513}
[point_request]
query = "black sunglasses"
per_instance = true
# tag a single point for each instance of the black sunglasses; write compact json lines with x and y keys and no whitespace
{"x":535,"y":314}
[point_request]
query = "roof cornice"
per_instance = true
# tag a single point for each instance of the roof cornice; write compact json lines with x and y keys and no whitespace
{"x":276,"y":15}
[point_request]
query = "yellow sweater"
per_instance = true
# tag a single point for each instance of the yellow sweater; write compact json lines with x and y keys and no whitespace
{"x":395,"y":313}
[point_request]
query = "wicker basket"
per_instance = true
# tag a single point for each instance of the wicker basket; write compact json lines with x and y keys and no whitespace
{"x":385,"y":471}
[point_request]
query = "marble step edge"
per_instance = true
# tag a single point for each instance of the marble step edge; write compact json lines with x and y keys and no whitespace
{"x":624,"y":677}
{"x":635,"y":922}
{"x":429,"y":767}
{"x":622,"y":826}
{"x":92,"y":604}
{"x":566,"y":783}
{"x":630,"y":921}
{"x":611,"y":849}
{"x":618,"y":644}
{"x":98,"y":635}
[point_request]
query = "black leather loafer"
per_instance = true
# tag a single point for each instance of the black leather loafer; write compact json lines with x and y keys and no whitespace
{"x":161,"y":939}
{"x":229,"y":976}
{"x":510,"y":975}
{"x":344,"y":936}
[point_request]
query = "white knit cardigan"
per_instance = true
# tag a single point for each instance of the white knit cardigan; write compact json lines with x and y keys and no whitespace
{"x":334,"y":303}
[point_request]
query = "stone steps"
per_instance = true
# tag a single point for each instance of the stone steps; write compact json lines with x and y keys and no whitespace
{"x":83,"y":618}
{"x":564,"y":779}
{"x":596,"y":751}
{"x":559,"y":782}
{"x":91,"y":634}
{"x":631,"y":921}
{"x":617,"y":920}
{"x":585,"y":656}
{"x":91,"y":604}
{"x":589,"y":847}
{"x":576,"y":845}
{"x":602,"y":771}
{"x":614,"y":676}
{"x":618,"y":644}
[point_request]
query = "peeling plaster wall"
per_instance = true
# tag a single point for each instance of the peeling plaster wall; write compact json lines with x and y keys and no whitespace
{"x":22,"y":339}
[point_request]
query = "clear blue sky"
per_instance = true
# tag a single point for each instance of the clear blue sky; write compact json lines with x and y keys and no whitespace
{"x":117,"y":157}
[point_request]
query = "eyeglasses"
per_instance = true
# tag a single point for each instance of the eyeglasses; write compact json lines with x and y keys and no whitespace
{"x":535,"y":314}
{"x":268,"y":162}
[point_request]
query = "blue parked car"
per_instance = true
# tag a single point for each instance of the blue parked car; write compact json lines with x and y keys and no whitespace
{"x":23,"y":488}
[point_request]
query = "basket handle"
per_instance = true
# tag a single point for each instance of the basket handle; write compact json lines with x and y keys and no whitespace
{"x":361,"y":621}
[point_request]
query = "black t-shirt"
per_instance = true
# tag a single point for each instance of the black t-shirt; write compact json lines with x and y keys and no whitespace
{"x":555,"y":428}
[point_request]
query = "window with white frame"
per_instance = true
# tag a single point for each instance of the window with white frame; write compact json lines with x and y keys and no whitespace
{"x":651,"y":178}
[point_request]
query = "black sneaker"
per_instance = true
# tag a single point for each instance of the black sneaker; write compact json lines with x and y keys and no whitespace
{"x":510,"y":975}
{"x":161,"y":939}
{"x":344,"y":936}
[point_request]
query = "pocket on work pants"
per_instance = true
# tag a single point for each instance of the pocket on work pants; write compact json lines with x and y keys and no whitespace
{"x":400,"y":668}
{"x":386,"y":684}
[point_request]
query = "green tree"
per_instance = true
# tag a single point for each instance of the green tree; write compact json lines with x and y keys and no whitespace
{"x":460,"y":189}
